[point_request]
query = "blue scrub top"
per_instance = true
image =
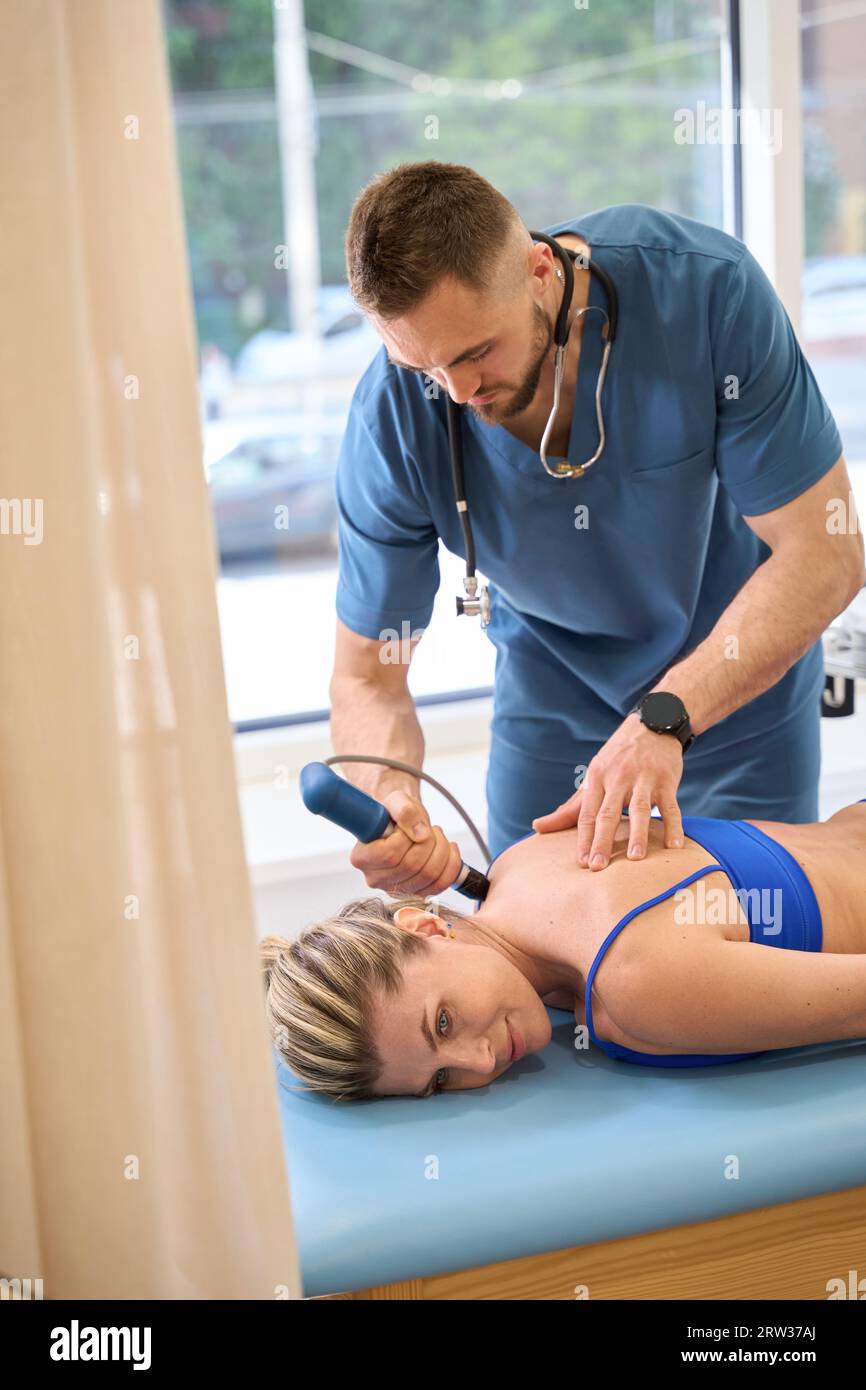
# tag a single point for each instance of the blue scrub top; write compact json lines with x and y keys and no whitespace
{"x":585,"y":619}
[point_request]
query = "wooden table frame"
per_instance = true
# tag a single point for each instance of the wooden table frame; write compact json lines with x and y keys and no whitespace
{"x":790,"y":1251}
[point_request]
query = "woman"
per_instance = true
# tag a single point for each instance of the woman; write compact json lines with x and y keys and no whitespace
{"x":750,"y":937}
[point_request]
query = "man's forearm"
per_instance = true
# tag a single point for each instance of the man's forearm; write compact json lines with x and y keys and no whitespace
{"x":368,"y":718}
{"x":776,"y":616}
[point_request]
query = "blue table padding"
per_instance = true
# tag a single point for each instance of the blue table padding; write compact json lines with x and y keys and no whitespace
{"x":566,"y":1148}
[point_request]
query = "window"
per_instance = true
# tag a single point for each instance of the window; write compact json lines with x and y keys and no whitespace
{"x":564,"y":108}
{"x":833,"y":323}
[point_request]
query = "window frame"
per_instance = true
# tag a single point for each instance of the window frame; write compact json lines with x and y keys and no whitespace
{"x":454,"y":705}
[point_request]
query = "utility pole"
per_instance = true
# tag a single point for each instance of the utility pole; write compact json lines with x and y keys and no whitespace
{"x":294,"y":95}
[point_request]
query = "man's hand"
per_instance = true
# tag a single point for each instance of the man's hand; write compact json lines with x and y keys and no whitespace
{"x":414,"y":859}
{"x":637,"y":767}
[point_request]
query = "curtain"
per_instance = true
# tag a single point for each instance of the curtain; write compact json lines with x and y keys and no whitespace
{"x":140,"y":1146}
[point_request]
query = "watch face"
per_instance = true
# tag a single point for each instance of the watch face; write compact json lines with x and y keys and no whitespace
{"x":663,"y":710}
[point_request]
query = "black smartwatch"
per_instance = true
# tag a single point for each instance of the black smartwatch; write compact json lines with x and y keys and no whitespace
{"x":665,"y":713}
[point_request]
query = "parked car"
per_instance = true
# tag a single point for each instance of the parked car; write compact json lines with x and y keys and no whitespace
{"x":834,"y":299}
{"x":345,"y":348}
{"x":257,"y":464}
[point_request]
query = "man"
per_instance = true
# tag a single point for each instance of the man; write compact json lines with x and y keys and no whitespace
{"x":694,"y":558}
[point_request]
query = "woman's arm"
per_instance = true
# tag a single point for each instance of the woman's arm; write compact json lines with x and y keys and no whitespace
{"x":739,"y":996}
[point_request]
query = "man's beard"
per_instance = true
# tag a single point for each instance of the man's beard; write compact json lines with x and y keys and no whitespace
{"x":522,"y":398}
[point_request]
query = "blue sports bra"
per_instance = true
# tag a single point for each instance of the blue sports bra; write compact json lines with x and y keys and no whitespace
{"x":756,"y":866}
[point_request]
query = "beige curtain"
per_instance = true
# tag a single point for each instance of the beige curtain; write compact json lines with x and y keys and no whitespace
{"x":140,"y":1149}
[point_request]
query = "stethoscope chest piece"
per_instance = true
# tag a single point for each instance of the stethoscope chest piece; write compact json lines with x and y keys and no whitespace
{"x":476,"y":603}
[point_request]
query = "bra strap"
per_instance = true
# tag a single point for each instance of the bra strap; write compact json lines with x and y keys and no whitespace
{"x":641,"y":907}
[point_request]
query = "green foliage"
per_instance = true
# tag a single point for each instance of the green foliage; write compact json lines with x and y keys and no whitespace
{"x":219,"y":45}
{"x":560,"y":148}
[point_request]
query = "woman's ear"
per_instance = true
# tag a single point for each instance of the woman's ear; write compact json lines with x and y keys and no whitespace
{"x":410,"y":922}
{"x":422,"y":921}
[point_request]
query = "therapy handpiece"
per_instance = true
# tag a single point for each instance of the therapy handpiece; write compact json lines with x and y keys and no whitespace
{"x":326,"y":794}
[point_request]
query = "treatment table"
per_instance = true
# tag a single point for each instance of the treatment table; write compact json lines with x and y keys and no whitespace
{"x":575,"y":1175}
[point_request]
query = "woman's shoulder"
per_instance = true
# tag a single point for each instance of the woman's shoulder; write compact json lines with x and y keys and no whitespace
{"x":559,"y":847}
{"x":509,"y":850}
{"x":541,"y":874}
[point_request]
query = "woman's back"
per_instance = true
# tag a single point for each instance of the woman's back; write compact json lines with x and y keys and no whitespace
{"x":800,"y":887}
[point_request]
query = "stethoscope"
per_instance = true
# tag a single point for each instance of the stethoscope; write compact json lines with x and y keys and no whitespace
{"x":474,"y":602}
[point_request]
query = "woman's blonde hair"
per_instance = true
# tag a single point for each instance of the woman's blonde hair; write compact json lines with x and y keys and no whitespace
{"x":320,"y":988}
